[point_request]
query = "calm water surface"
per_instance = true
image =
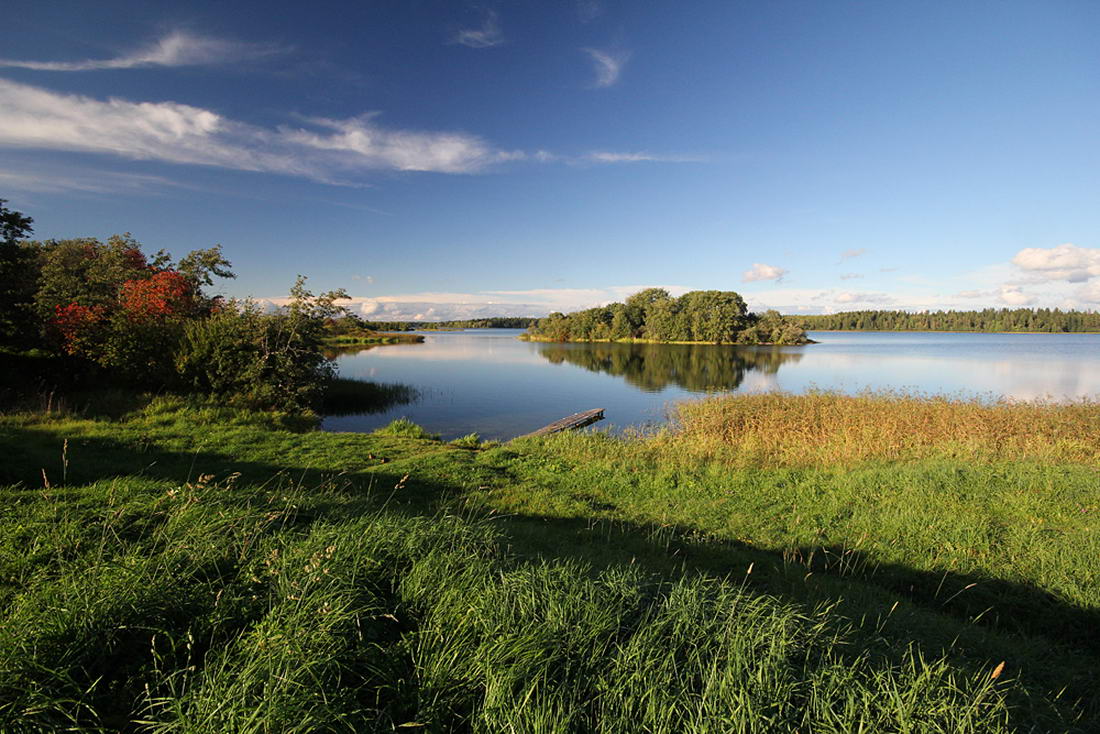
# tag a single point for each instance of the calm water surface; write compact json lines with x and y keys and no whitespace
{"x":486,"y":381}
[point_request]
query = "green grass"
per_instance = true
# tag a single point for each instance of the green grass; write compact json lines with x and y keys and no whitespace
{"x":179,"y":566}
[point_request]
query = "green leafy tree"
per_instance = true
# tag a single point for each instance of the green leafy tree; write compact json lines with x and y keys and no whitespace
{"x":18,"y":281}
{"x":271,"y":361}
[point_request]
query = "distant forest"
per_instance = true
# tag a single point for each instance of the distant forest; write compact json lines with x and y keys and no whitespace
{"x":990,"y":319}
{"x":496,"y":322}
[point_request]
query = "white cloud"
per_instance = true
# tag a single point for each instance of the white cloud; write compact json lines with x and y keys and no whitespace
{"x":401,"y":150}
{"x":850,"y":276}
{"x":1012,"y":295}
{"x":855,"y":252}
{"x":178,"y":48}
{"x":638,"y":157}
{"x":1089,"y":293}
{"x":488,"y":35}
{"x":32,"y":117}
{"x":975,"y":294}
{"x":760,"y":271}
{"x":1065,"y":262}
{"x":56,"y":180}
{"x":850,"y":297}
{"x":608,"y":65}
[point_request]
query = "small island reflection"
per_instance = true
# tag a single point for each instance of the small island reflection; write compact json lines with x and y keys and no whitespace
{"x":654,"y":367}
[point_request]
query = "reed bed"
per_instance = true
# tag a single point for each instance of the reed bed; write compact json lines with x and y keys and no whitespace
{"x":825,"y":428}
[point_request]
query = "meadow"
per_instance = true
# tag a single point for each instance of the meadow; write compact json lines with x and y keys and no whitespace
{"x":812,"y":563}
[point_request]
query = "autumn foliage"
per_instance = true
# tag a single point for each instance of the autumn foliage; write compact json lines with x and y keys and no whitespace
{"x":76,"y":324}
{"x":165,"y":294}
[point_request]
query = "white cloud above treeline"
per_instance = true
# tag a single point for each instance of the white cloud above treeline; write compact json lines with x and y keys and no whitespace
{"x":849,"y":297}
{"x":178,"y":48}
{"x":762,"y":271}
{"x":1066,"y":262}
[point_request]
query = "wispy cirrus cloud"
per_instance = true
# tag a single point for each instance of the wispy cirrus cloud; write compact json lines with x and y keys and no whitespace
{"x":607,"y":65}
{"x":638,"y":157}
{"x":53,"y":179}
{"x":487,"y":36}
{"x":854,"y":252}
{"x":336,"y":151}
{"x":762,"y":271}
{"x":178,"y":48}
{"x":401,"y":150}
{"x":324,"y":150}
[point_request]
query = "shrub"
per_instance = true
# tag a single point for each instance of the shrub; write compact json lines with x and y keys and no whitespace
{"x":270,"y":361}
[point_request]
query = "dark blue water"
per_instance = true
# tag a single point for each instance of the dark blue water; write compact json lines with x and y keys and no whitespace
{"x":486,"y":381}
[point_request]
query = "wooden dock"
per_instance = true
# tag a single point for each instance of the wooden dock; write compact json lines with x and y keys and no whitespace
{"x":577,"y":420}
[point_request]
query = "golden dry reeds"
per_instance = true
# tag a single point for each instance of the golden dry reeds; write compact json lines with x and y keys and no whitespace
{"x":827,"y":427}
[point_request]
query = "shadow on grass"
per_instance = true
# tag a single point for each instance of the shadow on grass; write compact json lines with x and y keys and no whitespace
{"x":1048,"y":644}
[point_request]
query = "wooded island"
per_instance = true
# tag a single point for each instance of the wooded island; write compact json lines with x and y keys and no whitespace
{"x":652,"y":315}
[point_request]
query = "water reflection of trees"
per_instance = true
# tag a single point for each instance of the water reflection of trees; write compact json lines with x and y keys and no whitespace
{"x":332,"y":351}
{"x":653,"y":367}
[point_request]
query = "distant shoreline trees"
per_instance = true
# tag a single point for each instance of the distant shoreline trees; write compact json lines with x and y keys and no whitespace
{"x":987,"y":320}
{"x":711,"y":317}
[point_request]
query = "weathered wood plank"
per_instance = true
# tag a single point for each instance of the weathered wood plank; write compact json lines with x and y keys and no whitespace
{"x":577,"y":420}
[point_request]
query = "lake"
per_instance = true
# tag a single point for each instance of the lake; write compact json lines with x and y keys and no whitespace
{"x":489,"y":382}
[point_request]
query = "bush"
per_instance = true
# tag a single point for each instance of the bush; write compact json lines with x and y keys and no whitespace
{"x":270,"y":361}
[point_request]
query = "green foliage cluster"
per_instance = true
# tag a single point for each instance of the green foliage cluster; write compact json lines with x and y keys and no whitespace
{"x":493,"y":322}
{"x":989,"y":319}
{"x":108,"y":312}
{"x":17,"y":281}
{"x":274,"y":360}
{"x":350,"y":329}
{"x":714,"y":317}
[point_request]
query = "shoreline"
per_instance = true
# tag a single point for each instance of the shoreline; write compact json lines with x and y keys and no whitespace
{"x":526,"y":338}
{"x":949,"y":331}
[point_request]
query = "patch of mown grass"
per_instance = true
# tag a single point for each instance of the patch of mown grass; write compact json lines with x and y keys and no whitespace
{"x":215,"y":571}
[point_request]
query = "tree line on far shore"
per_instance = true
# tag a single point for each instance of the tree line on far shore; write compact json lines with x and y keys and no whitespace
{"x":715,"y":317}
{"x":493,"y":322}
{"x":989,"y":319}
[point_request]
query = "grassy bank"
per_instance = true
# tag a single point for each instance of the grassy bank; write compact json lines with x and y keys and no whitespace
{"x":179,"y":566}
{"x":372,"y":338}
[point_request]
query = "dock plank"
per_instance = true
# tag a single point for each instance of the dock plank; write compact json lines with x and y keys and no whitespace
{"x":577,"y":420}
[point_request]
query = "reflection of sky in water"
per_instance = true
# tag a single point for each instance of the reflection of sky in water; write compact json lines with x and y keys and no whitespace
{"x":1018,"y":366}
{"x":487,"y":381}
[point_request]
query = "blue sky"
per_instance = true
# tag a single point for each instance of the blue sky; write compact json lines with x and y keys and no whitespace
{"x":451,"y":159}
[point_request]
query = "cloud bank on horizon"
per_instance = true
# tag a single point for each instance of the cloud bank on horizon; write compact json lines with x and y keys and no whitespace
{"x":1064,"y":263}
